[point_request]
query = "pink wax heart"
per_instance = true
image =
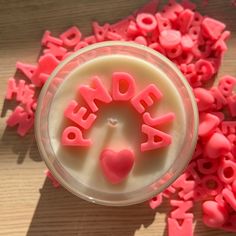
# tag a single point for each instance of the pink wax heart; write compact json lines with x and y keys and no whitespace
{"x":116,"y":165}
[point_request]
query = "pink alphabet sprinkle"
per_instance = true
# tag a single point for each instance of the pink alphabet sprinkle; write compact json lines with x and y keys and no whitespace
{"x":71,"y":37}
{"x":22,"y":119}
{"x":184,"y":229}
{"x":156,"y":201}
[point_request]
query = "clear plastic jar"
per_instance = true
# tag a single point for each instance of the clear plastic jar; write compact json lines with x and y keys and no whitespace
{"x":58,"y":77}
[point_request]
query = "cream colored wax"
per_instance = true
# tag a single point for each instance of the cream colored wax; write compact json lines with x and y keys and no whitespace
{"x":83,"y":163}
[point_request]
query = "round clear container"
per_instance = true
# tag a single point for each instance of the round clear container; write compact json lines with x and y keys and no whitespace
{"x":57,"y":78}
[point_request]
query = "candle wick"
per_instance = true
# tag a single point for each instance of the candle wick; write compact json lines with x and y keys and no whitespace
{"x":112,"y":122}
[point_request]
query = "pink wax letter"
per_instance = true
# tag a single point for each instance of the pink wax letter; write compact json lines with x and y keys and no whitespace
{"x":146,"y":96}
{"x":71,"y":37}
{"x":22,"y":119}
{"x":72,"y":136}
{"x":182,"y":208}
{"x":26,"y":69}
{"x":79,"y":116}
{"x":123,"y":86}
{"x":17,"y":89}
{"x":98,"y":93}
{"x":174,"y":228}
{"x":158,"y":120}
{"x":156,"y":138}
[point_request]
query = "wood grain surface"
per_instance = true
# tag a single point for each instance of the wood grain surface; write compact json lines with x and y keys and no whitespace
{"x":29,"y":205}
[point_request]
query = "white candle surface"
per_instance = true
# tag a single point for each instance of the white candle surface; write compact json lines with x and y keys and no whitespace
{"x":118,"y":125}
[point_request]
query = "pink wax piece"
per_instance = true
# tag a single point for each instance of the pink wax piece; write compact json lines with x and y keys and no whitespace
{"x":116,"y":165}
{"x":100,"y":32}
{"x":219,"y":114}
{"x":207,"y":166}
{"x":214,"y":215}
{"x":156,"y":201}
{"x":168,"y":192}
{"x":232,"y":105}
{"x":21,"y":118}
{"x":46,"y":64}
{"x":229,"y":197}
{"x":96,"y":92}
{"x":169,"y":38}
{"x":140,"y":40}
{"x":162,"y":23}
{"x":205,"y":69}
{"x":185,"y":58}
{"x":71,"y":37}
{"x":54,"y":182}
{"x":220,"y":100}
{"x":185,"y":229}
{"x":90,"y":40}
{"x":16,"y":88}
{"x":172,"y":10}
{"x":30,"y":105}
{"x":208,"y":124}
{"x":204,"y":98}
{"x":185,"y":20}
{"x":155,"y":139}
{"x":123,"y":86}
{"x":182,"y":208}
{"x":194,"y":33}
{"x":234,"y":186}
{"x":72,"y":136}
{"x":166,"y":118}
{"x":113,"y":36}
{"x":146,"y":96}
{"x":232,"y":139}
{"x":212,"y":185}
{"x":220,"y":44}
{"x":197,"y":20}
{"x":80,"y":116}
{"x":186,"y":42}
{"x":80,"y":45}
{"x":174,"y":52}
{"x":212,"y":28}
{"x":228,"y":127}
{"x":198,"y":151}
{"x":47,"y":38}
{"x":146,"y":22}
{"x":121,"y":27}
{"x":192,"y":169}
{"x":132,"y":29}
{"x":57,"y":51}
{"x":157,"y":47}
{"x":227,"y":171}
{"x":217,"y":145}
{"x":227,"y":84}
{"x":184,"y":183}
{"x":27,"y":69}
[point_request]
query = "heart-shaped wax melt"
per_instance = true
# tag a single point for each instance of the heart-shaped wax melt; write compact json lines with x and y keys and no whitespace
{"x":116,"y":165}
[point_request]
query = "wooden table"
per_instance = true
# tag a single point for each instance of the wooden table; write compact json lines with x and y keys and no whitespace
{"x":29,"y":205}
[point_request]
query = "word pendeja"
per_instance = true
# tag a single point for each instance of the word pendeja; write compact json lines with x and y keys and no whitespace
{"x":123,"y":89}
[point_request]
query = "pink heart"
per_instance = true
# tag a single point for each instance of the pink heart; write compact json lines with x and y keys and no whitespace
{"x":116,"y":165}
